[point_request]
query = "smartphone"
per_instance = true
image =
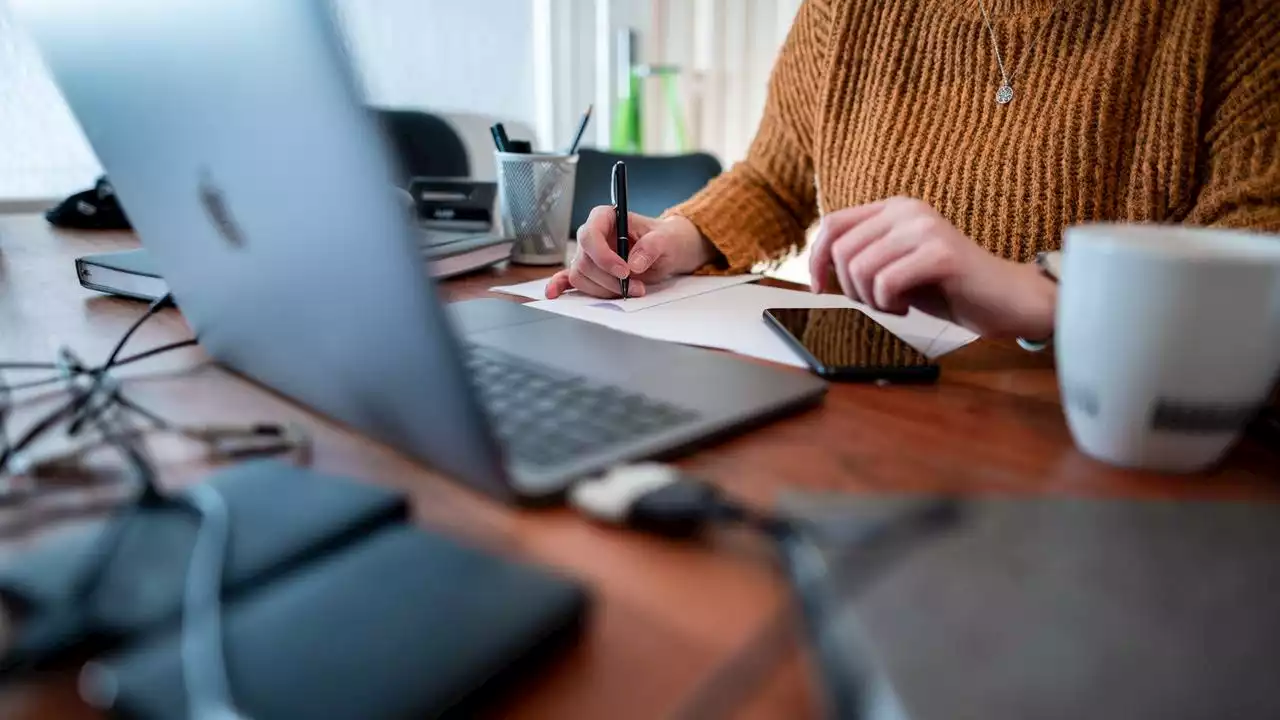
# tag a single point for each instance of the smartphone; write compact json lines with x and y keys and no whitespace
{"x":845,"y":344}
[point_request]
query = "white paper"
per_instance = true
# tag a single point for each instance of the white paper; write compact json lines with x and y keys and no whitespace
{"x":733,"y":319}
{"x":677,"y":288}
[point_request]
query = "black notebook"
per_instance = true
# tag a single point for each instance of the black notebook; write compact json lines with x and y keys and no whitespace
{"x":334,"y":607}
{"x":405,"y":624}
{"x":281,"y":516}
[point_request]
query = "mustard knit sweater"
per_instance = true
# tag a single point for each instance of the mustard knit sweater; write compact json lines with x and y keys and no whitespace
{"x":1139,"y":110}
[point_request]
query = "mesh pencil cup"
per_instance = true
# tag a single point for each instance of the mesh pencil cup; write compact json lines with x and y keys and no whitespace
{"x":535,"y":193}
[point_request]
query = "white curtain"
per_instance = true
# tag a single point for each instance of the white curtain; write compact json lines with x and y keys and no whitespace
{"x":727,"y":48}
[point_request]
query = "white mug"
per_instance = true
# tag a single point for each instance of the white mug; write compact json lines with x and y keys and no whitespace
{"x":1167,"y":340}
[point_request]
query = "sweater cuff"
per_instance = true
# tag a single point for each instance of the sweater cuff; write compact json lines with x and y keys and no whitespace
{"x":725,"y":232}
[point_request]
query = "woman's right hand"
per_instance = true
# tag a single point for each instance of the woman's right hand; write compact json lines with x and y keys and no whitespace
{"x":659,"y":250}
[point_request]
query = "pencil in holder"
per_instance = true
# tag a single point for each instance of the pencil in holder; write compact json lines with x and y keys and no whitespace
{"x":535,"y":193}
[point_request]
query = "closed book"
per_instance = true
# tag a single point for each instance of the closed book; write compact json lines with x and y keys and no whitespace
{"x":465,"y":254}
{"x":131,"y":273}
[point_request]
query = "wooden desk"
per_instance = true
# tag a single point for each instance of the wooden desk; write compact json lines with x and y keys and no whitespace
{"x":674,"y":624}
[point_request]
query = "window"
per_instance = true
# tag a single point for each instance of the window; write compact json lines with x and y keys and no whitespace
{"x":43,"y":153}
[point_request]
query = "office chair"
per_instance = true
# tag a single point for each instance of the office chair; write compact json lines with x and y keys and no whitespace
{"x":425,"y":145}
{"x":654,"y":182}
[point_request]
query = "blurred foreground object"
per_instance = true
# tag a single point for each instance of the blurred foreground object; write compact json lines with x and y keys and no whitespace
{"x":1066,"y":608}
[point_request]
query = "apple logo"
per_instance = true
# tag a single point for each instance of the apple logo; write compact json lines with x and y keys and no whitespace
{"x":215,"y":206}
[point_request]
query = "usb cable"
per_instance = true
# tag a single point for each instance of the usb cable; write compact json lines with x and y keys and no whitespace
{"x":659,"y":499}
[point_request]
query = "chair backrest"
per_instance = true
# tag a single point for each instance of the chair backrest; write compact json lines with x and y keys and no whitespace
{"x":655,"y":183}
{"x":425,"y":145}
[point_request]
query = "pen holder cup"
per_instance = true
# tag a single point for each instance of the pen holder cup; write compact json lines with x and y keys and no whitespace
{"x":535,"y":193}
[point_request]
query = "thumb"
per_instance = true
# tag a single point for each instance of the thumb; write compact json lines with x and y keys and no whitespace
{"x":648,"y":250}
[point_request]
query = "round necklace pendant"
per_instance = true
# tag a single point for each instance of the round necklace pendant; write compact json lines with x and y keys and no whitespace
{"x":1005,"y":94}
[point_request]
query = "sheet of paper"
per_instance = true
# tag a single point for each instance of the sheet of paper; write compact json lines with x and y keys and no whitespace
{"x":678,"y":288}
{"x":732,"y":319}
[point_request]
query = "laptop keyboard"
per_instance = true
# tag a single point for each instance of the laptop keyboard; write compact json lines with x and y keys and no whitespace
{"x":545,"y":418}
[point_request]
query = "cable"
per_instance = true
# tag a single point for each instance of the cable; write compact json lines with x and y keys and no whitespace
{"x":45,"y":382}
{"x":203,"y":659}
{"x":6,"y":400}
{"x":40,"y":427}
{"x":95,"y":400}
{"x":156,"y":351}
{"x":659,"y":499}
{"x":157,"y":421}
{"x":27,"y":366}
{"x":69,"y":369}
{"x":152,"y":309}
{"x":32,"y":384}
{"x":204,"y":666}
{"x":112,"y":535}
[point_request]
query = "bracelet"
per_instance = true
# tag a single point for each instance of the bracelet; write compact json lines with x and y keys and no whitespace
{"x":1049,"y":264}
{"x":1034,"y":346}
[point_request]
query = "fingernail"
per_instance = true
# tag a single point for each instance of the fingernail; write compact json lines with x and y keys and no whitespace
{"x":639,"y":262}
{"x":636,"y":288}
{"x":619,"y":270}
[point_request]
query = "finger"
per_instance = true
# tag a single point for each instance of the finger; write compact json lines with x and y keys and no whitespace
{"x":601,"y":219}
{"x":923,"y":269}
{"x":847,"y":248}
{"x":648,"y":251}
{"x":558,"y":285}
{"x":638,"y":225}
{"x":597,"y":244}
{"x":877,"y":255}
{"x":590,"y":287}
{"x":597,"y":274}
{"x":832,"y":227}
{"x":653,"y":277}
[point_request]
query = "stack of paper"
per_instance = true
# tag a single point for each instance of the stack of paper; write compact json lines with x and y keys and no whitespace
{"x":727,"y":313}
{"x":672,"y":290}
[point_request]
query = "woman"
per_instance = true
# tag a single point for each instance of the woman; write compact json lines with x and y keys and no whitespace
{"x":946,"y":142}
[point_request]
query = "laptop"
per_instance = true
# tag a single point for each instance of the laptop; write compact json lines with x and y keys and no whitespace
{"x":207,"y":113}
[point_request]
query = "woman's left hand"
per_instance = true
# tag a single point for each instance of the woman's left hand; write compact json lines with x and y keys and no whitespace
{"x":900,"y":252}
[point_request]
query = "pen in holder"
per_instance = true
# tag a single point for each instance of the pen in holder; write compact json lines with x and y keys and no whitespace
{"x":535,"y":193}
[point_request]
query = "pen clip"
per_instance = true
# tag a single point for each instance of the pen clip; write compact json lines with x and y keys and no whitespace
{"x":613,"y":185}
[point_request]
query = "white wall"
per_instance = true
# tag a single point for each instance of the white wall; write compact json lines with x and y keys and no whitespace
{"x":535,"y":62}
{"x":473,"y":56}
{"x":43,"y":154}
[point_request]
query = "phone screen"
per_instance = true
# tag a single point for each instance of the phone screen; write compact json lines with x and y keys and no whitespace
{"x":845,"y":341}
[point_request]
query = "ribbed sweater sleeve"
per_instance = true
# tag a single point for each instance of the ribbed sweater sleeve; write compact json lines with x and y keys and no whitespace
{"x":1240,"y":174}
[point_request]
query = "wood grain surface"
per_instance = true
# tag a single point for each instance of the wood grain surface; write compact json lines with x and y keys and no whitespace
{"x":677,"y":630}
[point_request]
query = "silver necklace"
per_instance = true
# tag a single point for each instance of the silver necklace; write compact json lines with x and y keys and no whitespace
{"x":1004,"y":95}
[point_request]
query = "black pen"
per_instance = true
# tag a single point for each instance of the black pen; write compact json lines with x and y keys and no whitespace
{"x":500,"y":140}
{"x":620,"y":218}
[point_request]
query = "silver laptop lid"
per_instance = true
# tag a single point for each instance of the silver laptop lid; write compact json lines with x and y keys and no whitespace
{"x":237,"y":142}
